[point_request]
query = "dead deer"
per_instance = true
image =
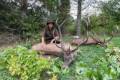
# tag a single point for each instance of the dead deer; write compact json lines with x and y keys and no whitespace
{"x":91,"y":40}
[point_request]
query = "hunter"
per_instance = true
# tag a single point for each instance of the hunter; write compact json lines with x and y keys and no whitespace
{"x":50,"y":33}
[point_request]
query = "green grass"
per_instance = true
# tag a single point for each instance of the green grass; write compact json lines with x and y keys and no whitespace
{"x":116,"y":41}
{"x":89,"y":55}
{"x":4,"y":75}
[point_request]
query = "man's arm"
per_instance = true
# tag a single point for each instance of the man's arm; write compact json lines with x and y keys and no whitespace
{"x":43,"y":40}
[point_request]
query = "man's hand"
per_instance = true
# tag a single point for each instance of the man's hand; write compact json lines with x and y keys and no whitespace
{"x":43,"y":45}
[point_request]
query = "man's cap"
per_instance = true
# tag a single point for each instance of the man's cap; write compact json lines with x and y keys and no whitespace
{"x":50,"y":21}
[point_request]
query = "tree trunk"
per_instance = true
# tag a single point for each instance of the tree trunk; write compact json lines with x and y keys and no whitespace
{"x":78,"y":22}
{"x":24,"y":6}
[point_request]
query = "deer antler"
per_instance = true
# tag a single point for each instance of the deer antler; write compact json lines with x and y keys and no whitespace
{"x":102,"y":42}
{"x":84,"y":41}
{"x":106,"y":41}
{"x":59,"y":26}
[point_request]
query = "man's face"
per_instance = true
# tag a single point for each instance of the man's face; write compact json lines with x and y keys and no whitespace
{"x":50,"y":25}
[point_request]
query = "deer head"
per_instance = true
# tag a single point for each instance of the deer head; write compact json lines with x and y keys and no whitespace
{"x":102,"y":42}
{"x":67,"y":49}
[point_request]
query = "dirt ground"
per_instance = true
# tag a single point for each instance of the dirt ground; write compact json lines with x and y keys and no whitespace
{"x":8,"y":40}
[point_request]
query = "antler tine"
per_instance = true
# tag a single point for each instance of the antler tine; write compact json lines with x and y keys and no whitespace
{"x":109,"y":39}
{"x":56,"y":21}
{"x":96,"y":39}
{"x":62,"y":22}
{"x":104,"y":41}
{"x":79,"y":45}
{"x":61,"y":38}
{"x":62,"y":46}
{"x":69,"y":48}
{"x":59,"y":47}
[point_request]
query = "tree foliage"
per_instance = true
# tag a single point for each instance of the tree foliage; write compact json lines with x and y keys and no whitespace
{"x":21,"y":17}
{"x":111,"y":10}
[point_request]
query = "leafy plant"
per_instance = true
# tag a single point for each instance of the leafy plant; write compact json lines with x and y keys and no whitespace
{"x":24,"y":63}
{"x":4,"y":75}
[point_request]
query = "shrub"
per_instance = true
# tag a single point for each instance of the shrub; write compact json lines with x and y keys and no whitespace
{"x":24,"y":63}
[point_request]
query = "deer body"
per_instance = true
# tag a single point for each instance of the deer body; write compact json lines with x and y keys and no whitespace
{"x":79,"y":41}
{"x":90,"y":40}
{"x":67,"y":51}
{"x":51,"y":48}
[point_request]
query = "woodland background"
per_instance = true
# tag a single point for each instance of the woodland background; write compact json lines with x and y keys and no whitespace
{"x":21,"y":24}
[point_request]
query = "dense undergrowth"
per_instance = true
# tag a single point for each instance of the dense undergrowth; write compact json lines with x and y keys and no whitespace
{"x":92,"y":63}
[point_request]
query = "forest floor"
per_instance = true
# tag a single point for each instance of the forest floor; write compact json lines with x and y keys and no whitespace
{"x":8,"y":40}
